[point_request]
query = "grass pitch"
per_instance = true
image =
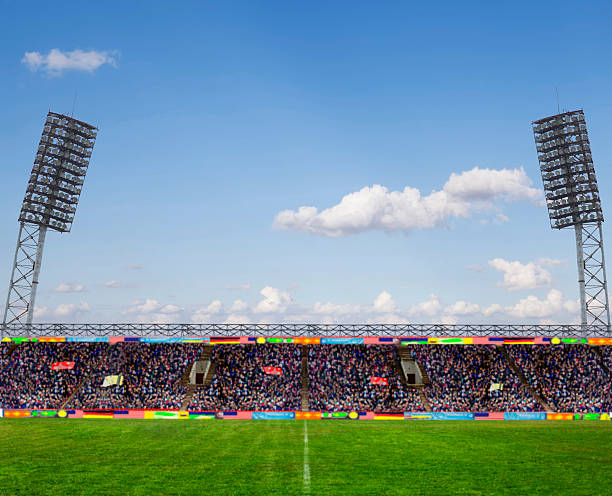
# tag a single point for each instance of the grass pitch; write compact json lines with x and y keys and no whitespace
{"x":136,"y":457}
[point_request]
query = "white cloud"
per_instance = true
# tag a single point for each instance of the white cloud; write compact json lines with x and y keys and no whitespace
{"x":134,"y":267}
{"x":56,"y":61}
{"x":205,"y":315}
{"x":462,"y":308}
{"x":69,"y":287}
{"x":429,"y":307}
{"x":214,"y":307}
{"x":113,"y":284}
{"x":146,"y":307}
{"x":518,"y":276}
{"x":168,"y":309}
{"x":492,"y":309}
{"x":63,"y":310}
{"x":532,"y":306}
{"x":376,"y":208}
{"x":239,"y":306}
{"x":384,"y":303}
{"x":274,"y":300}
{"x":335,"y":309}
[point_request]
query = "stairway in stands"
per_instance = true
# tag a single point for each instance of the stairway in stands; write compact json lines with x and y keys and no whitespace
{"x":11,"y":349}
{"x":600,"y":358}
{"x":404,"y":354}
{"x":523,"y":379}
{"x":94,"y":368}
{"x":304,"y":377}
{"x":191,"y":388}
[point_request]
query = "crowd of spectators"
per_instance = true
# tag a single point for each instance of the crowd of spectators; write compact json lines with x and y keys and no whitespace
{"x":339,"y":379}
{"x":240,"y":382}
{"x":568,"y":377}
{"x":152,"y":374}
{"x":28,"y":381}
{"x":462,"y":375}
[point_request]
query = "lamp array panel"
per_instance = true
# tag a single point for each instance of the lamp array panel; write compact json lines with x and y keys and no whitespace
{"x":566,"y":164}
{"x":58,"y":173}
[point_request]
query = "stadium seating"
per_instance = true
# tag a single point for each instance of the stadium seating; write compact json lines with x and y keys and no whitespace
{"x":340,"y":379}
{"x":240,"y":382}
{"x":462,"y":377}
{"x":568,"y":377}
{"x":151,"y":377}
{"x":28,"y":381}
{"x":321,"y":377}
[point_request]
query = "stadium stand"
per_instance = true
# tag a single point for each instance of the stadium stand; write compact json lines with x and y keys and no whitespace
{"x":462,"y":376}
{"x":28,"y":380}
{"x":240,"y":382}
{"x":340,"y":377}
{"x":151,"y":377}
{"x":568,"y":377}
{"x":324,"y":378}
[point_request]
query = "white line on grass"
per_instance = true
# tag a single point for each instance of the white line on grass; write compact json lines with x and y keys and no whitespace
{"x":306,"y":464}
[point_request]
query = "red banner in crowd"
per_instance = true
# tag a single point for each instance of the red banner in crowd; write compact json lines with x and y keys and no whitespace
{"x":62,"y":365}
{"x":273,"y":370}
{"x":379,"y":380}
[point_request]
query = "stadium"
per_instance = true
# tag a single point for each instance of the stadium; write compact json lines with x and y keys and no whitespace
{"x":303,"y":408}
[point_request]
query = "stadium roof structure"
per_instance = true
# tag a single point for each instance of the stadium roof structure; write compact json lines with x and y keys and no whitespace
{"x":305,"y":330}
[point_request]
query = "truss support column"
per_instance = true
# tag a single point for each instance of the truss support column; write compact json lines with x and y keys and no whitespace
{"x":8,"y":294}
{"x":42,"y":234}
{"x":26,"y":267}
{"x":605,"y":279}
{"x":580,"y":262}
{"x":595,"y":282}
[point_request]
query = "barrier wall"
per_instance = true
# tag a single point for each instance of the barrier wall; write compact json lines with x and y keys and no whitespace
{"x":243,"y":415}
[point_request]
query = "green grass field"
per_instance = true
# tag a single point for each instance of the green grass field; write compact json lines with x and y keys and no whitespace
{"x":100,"y":457}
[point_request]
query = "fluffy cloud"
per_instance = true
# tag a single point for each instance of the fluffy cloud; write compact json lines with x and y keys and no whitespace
{"x":113,"y":284}
{"x":384,"y":303}
{"x":148,"y":306}
{"x":63,"y":311}
{"x":429,"y":307}
{"x":518,"y":276}
{"x":274,"y":300}
{"x":205,"y":315}
{"x":335,"y":309}
{"x":376,"y":208}
{"x":462,"y":308}
{"x":69,"y":287}
{"x":532,"y":306}
{"x":239,"y":306}
{"x":56,"y":61}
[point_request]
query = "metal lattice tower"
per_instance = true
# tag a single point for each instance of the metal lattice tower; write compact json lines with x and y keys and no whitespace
{"x":572,"y":197}
{"x":50,"y":202}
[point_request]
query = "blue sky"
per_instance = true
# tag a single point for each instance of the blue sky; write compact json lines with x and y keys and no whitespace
{"x":215,"y":118}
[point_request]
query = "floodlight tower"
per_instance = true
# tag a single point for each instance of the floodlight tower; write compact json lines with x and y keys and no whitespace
{"x":572,"y":197}
{"x":50,"y":202}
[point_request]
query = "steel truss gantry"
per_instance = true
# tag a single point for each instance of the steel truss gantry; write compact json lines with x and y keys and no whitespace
{"x":302,"y":330}
{"x":592,"y":274}
{"x":21,"y":295}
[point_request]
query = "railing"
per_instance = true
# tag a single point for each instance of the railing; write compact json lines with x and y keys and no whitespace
{"x":301,"y":330}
